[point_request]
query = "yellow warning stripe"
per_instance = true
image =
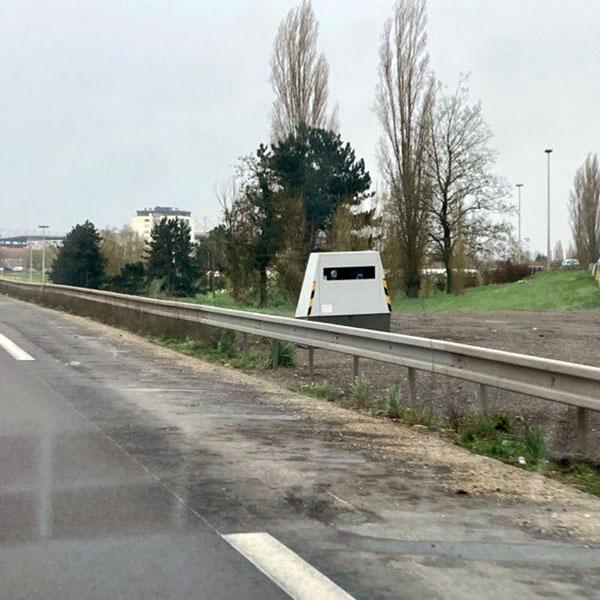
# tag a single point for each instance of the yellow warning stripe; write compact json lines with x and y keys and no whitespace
{"x":312,"y":297}
{"x":388,"y":298}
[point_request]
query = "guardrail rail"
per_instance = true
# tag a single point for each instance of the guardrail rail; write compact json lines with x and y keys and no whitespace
{"x":557,"y":381}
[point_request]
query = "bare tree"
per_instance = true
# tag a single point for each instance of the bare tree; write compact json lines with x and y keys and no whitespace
{"x":466,"y":197}
{"x":584,"y":211}
{"x":403,"y":105}
{"x":299,"y":75}
{"x":119,"y":247}
{"x":235,"y":248}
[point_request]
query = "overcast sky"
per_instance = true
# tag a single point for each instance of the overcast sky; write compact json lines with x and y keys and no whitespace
{"x":110,"y":106}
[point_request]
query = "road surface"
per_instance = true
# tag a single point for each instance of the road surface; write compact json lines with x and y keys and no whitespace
{"x":126,"y":473}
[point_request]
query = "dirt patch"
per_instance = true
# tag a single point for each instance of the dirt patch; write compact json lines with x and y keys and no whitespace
{"x":569,"y":336}
{"x":407,"y":452}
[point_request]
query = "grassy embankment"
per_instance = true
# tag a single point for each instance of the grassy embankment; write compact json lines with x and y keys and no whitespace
{"x":557,"y":290}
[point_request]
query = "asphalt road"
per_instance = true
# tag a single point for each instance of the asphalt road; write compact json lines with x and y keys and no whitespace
{"x":124,"y":474}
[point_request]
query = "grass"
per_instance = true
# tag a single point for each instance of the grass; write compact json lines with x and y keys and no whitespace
{"x":581,"y":475}
{"x":223,"y":352}
{"x":393,"y":408}
{"x":494,"y":436}
{"x":525,"y":447}
{"x":361,"y":394}
{"x":222,"y":299}
{"x":322,"y":390}
{"x":556,"y":290}
{"x":22,"y":276}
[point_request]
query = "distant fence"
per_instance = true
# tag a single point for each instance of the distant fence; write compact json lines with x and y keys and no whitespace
{"x":568,"y":383}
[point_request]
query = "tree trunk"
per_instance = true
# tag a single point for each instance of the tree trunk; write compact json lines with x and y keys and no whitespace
{"x":449,"y":277}
{"x":263,"y":288}
{"x":412,"y":280}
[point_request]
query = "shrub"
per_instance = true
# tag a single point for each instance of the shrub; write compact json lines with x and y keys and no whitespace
{"x":534,"y":444}
{"x":251,"y":359}
{"x":494,"y":436}
{"x":226,"y":344}
{"x":506,"y":272}
{"x":455,"y":416}
{"x":286,"y":355}
{"x":418,"y":415}
{"x":486,"y":427}
{"x":393,"y":409}
{"x":361,"y":392}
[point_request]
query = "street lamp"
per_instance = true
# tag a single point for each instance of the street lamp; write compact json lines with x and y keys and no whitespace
{"x":548,"y":151}
{"x":30,"y":259}
{"x":519,"y":186}
{"x":43,"y":228}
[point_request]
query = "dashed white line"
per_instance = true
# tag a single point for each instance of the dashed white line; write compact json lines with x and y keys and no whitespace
{"x":15,"y":351}
{"x":285,"y":568}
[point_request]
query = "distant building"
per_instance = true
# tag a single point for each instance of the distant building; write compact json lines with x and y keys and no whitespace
{"x":36,"y":241}
{"x":14,"y":258}
{"x":144,"y":220}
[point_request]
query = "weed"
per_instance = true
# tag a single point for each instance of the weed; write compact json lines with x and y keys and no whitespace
{"x":494,"y":436}
{"x":251,"y":359}
{"x":361,"y":393}
{"x":455,"y":416}
{"x":226,"y":344}
{"x":582,"y":475}
{"x":534,"y":444}
{"x":286,"y":355}
{"x":322,"y":390}
{"x":486,"y":427}
{"x":393,"y":409}
{"x":418,"y":415}
{"x":490,"y":435}
{"x":222,"y":352}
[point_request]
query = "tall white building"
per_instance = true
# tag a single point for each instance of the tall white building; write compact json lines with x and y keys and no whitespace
{"x":144,"y":220}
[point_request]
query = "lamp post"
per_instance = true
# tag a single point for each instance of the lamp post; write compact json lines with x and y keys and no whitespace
{"x":519,"y":186}
{"x":30,"y":259}
{"x":43,"y":228}
{"x":548,"y":152}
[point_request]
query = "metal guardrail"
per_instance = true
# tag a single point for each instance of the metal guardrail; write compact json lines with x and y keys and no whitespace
{"x":557,"y":381}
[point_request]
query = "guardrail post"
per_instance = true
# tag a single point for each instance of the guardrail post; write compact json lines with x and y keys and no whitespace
{"x":311,"y":362}
{"x":355,"y":366}
{"x":274,"y":353}
{"x":484,"y":398}
{"x":244,"y":342}
{"x":412,"y":385}
{"x":582,"y":429}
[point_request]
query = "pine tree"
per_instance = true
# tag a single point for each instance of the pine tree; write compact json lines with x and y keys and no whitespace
{"x":170,"y":258}
{"x":185,"y":268}
{"x":79,"y":261}
{"x":316,"y":166}
{"x":160,"y":264}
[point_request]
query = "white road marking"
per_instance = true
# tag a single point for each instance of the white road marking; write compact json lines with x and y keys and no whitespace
{"x":290,"y":572}
{"x":15,"y":351}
